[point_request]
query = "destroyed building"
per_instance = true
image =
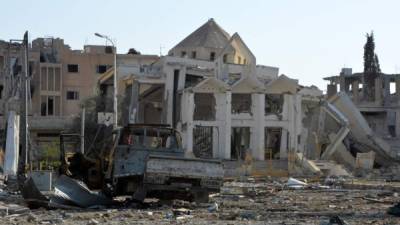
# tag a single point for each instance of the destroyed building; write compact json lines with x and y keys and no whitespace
{"x":212,"y":90}
{"x":60,"y":79}
{"x":379,"y":105}
{"x":377,"y":99}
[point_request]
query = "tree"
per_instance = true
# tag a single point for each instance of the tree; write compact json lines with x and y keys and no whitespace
{"x":371,"y":62}
{"x":371,"y":67}
{"x":133,"y":51}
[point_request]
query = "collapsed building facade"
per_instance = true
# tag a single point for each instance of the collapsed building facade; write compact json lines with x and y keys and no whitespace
{"x":375,"y":98}
{"x":210,"y":88}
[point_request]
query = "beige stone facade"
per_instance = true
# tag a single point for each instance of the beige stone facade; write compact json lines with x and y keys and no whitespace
{"x":61,"y":78}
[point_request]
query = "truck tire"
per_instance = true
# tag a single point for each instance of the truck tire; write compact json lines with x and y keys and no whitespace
{"x":140,"y":194}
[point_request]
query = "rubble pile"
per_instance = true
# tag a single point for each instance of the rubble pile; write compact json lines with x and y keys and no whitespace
{"x":241,"y":201}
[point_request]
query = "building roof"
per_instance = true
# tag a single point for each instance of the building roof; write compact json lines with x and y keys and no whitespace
{"x":209,"y":35}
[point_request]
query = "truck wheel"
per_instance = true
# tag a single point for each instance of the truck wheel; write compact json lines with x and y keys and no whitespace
{"x":140,"y":194}
{"x":200,"y":196}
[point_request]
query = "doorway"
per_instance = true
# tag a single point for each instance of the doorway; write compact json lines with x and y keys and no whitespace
{"x":240,"y":142}
{"x":272,"y":143}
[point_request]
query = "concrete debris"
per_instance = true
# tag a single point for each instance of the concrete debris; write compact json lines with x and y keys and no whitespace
{"x":394,"y":210}
{"x":262,"y":200}
{"x":213,"y":208}
{"x":295,"y":184}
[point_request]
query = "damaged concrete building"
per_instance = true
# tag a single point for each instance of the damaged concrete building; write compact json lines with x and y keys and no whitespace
{"x":376,"y":99}
{"x":60,"y":79}
{"x":211,"y":89}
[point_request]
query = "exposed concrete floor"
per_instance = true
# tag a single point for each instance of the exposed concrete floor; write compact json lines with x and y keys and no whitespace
{"x":265,"y":201}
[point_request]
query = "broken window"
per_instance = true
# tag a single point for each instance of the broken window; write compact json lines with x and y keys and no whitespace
{"x":391,"y":122}
{"x":183,"y":54}
{"x":233,"y":77}
{"x":50,"y":106}
{"x":43,"y":106}
{"x":193,"y":54}
{"x":272,"y":143}
{"x":192,"y":80}
{"x":102,"y":68}
{"x":1,"y":91}
{"x":73,"y":68}
{"x":273,"y":104}
{"x":225,"y":58}
{"x":241,"y":103}
{"x":72,"y":95}
{"x":392,"y":130}
{"x":204,"y":106}
{"x":109,"y":50}
{"x":212,"y":56}
{"x":392,"y":87}
{"x":239,"y":60}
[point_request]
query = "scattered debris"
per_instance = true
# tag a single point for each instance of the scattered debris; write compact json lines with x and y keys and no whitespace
{"x":394,"y":210}
{"x":213,"y":207}
{"x":296,"y":184}
{"x":68,"y":191}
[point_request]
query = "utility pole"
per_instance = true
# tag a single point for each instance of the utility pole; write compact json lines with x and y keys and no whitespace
{"x":23,"y":159}
{"x":115,"y":94}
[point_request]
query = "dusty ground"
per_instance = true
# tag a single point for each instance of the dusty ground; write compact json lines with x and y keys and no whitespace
{"x":255,"y":201}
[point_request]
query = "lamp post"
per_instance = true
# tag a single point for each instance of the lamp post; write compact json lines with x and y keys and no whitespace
{"x":115,"y":105}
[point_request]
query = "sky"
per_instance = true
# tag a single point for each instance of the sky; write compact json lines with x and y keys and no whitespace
{"x":307,"y":39}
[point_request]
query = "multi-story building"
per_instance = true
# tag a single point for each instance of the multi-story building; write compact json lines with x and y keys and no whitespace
{"x":61,"y":78}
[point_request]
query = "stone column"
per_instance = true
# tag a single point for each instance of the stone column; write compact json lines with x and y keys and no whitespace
{"x":386,"y":91}
{"x":284,"y":141}
{"x":258,"y":130}
{"x":378,"y":91}
{"x":342,"y":83}
{"x":223,"y":117}
{"x":398,"y":89}
{"x":287,"y":131}
{"x":355,"y":90}
{"x":187,"y":119}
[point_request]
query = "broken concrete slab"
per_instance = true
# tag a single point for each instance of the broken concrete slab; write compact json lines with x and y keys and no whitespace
{"x":365,"y":160}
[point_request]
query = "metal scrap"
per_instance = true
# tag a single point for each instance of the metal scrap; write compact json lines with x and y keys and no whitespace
{"x":73,"y":192}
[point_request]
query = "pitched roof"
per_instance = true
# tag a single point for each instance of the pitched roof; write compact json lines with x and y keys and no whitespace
{"x":209,"y":35}
{"x":210,"y":85}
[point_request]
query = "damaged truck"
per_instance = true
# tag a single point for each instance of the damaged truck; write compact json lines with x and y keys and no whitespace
{"x":145,"y":161}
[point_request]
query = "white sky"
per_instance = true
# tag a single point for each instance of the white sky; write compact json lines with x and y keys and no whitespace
{"x":306,"y":39}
